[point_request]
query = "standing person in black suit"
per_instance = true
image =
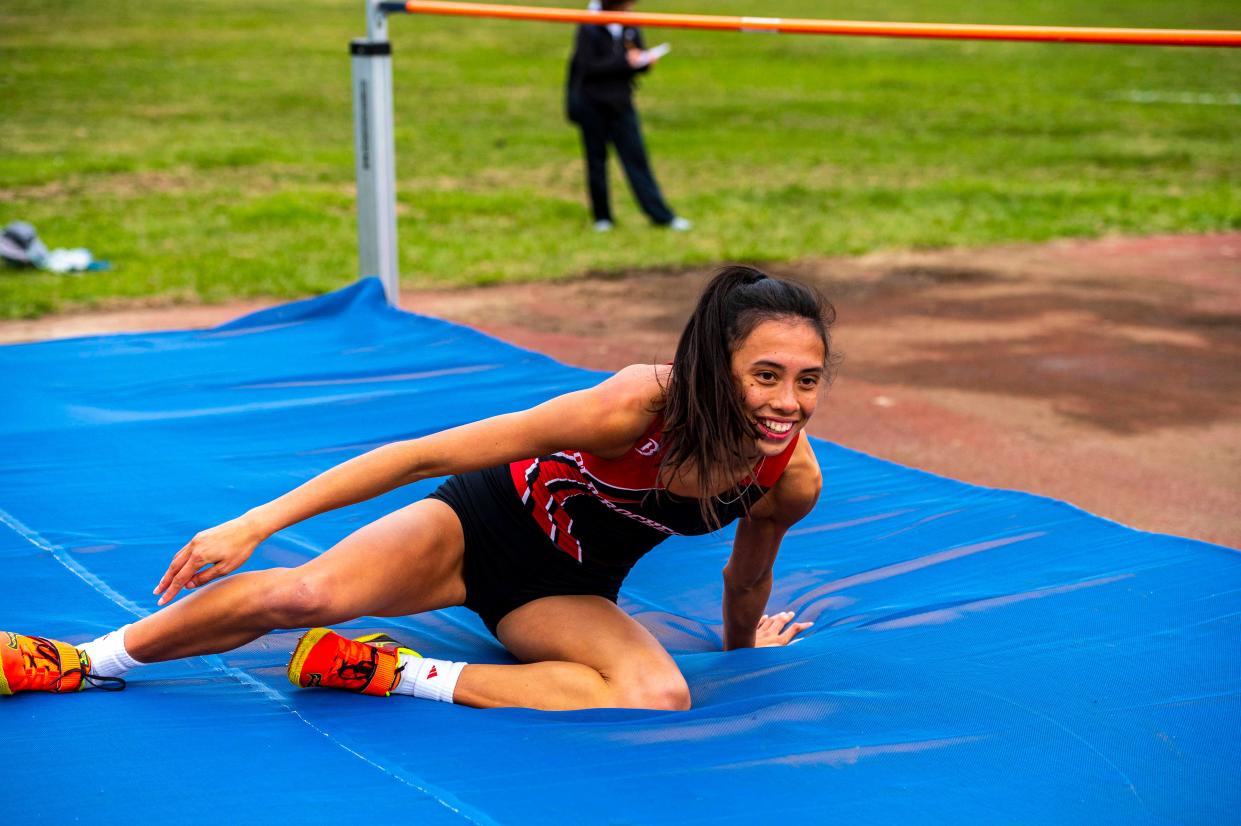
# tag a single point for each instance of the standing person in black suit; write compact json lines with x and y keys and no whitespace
{"x":600,"y":101}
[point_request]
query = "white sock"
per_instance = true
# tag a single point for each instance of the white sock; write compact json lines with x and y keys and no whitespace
{"x":428,"y":679}
{"x":107,"y":655}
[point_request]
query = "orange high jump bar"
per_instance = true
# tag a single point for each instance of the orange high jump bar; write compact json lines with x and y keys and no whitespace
{"x":857,"y":28}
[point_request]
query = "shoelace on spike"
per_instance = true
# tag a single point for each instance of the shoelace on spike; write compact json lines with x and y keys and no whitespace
{"x":48,"y":651}
{"x":361,"y":671}
{"x":100,"y":681}
{"x":366,"y":670}
{"x":45,"y":651}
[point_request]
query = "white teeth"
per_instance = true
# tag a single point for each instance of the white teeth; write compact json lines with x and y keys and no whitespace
{"x":777,"y":427}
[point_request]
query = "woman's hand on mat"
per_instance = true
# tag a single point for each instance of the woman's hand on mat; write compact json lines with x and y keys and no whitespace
{"x":778,"y":629}
{"x":210,"y":555}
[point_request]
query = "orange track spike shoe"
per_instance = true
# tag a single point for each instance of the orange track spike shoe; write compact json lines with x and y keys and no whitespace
{"x":369,"y":665}
{"x":39,"y":664}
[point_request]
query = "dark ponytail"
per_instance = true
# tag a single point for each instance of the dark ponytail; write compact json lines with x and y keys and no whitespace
{"x":705,"y":424}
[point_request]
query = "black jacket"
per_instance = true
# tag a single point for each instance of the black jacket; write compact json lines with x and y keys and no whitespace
{"x":599,"y":71}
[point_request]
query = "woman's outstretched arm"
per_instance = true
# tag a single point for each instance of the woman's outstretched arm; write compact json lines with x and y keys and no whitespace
{"x":748,"y":574}
{"x":603,"y":418}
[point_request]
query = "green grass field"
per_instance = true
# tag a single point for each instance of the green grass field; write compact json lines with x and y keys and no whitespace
{"x":205,"y":148}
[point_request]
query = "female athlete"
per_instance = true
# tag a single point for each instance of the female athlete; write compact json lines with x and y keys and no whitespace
{"x":538,"y":547}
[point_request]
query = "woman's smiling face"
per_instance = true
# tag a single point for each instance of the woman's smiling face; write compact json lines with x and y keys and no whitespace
{"x":779,"y":368}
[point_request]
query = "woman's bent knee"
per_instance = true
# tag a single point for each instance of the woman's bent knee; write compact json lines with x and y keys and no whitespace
{"x":662,"y":692}
{"x":295,"y":600}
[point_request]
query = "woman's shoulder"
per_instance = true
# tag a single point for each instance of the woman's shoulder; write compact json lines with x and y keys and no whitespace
{"x":797,"y":490}
{"x":640,"y":386}
{"x":625,"y":404}
{"x":802,"y":481}
{"x":803,"y":470}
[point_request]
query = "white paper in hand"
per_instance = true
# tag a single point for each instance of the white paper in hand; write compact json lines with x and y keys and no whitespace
{"x":649,"y":56}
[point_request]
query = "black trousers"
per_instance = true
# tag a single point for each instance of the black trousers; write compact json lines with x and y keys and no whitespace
{"x":602,"y":125}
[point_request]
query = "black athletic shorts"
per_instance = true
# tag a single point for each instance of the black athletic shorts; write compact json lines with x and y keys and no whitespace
{"x":509,"y":561}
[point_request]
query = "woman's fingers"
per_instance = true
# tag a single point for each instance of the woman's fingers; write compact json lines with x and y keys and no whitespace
{"x":208,"y":574}
{"x":793,"y":630}
{"x":175,"y":565}
{"x":210,"y":555}
{"x":778,"y":629}
{"x":179,"y":579}
{"x":194,"y":562}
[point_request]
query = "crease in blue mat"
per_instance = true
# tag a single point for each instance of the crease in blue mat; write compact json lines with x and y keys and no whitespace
{"x":977,"y":654}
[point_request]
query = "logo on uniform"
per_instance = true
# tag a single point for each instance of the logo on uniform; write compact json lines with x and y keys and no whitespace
{"x":649,"y":448}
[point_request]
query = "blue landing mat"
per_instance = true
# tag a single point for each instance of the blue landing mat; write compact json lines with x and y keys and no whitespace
{"x":978,"y":655}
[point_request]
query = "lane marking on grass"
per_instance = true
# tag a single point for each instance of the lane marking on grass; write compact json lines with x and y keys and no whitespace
{"x":1191,"y":98}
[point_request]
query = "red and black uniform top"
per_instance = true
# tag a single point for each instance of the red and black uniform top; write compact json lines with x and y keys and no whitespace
{"x":610,"y":512}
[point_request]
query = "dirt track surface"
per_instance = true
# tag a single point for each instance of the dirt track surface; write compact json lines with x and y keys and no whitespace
{"x":1105,"y":373}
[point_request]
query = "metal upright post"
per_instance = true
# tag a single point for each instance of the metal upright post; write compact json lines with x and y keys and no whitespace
{"x":376,"y":158}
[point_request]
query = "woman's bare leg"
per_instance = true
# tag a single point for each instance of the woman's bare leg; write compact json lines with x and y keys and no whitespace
{"x":405,"y":563}
{"x":582,"y":652}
